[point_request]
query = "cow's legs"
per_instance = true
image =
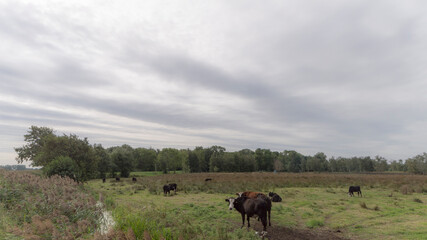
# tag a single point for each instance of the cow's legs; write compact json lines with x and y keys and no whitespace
{"x":264,"y":223}
{"x":269,"y":214}
{"x":249,"y":224}
{"x":243,"y":220}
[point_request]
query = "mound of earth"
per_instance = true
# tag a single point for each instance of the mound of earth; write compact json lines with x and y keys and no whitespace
{"x":279,"y":233}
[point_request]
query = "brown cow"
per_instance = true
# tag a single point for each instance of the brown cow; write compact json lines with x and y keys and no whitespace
{"x":258,"y":195}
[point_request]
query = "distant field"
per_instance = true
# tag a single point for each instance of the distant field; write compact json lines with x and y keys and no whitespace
{"x":393,"y":206}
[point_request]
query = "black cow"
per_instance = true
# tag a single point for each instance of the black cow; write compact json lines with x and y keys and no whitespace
{"x":173,"y":186}
{"x":133,"y":179}
{"x":353,"y":189}
{"x":166,"y":189}
{"x":274,"y":197}
{"x":208,"y":179}
{"x":249,"y":207}
{"x":103,"y":180}
{"x":117,"y":179}
{"x":258,"y":195}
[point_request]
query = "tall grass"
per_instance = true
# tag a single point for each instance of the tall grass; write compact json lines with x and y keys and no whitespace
{"x":46,"y":208}
{"x":235,"y":182}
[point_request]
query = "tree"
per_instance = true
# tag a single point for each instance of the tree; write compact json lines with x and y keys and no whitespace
{"x":35,"y":139}
{"x":169,"y":159}
{"x":381,"y":164}
{"x":104,"y":161}
{"x":122,"y":159}
{"x":145,"y":159}
{"x":79,"y":150}
{"x":64,"y":167}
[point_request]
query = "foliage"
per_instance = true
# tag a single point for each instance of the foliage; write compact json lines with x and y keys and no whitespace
{"x":64,"y":167}
{"x":35,"y":139}
{"x":123,"y":159}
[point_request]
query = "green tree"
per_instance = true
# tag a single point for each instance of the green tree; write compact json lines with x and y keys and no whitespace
{"x":79,"y":150}
{"x":64,"y":167}
{"x":104,"y":161}
{"x":123,"y":161}
{"x":35,"y":139}
{"x":145,"y":159}
{"x":169,"y":159}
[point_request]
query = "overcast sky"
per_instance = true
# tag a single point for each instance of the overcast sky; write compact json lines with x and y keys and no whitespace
{"x":347,"y":78}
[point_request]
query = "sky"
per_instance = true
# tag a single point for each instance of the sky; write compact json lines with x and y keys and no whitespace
{"x":346,"y":78}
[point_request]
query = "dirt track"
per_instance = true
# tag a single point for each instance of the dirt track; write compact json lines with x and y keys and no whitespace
{"x":280,"y":233}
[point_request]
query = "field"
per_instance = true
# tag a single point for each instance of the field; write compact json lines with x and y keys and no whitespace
{"x":315,"y":206}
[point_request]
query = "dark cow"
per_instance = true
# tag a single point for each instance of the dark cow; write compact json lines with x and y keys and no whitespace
{"x":173,"y":186}
{"x":274,"y":197}
{"x":166,"y":190}
{"x":353,"y":189}
{"x":133,"y":179}
{"x":208,"y":179}
{"x":117,"y":179}
{"x":103,"y":180}
{"x":249,"y":207}
{"x":259,"y":195}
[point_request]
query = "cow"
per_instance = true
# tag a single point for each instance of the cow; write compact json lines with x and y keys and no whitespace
{"x":173,"y":186}
{"x":249,"y":207}
{"x":208,"y":179}
{"x":103,"y":180}
{"x":133,"y":179}
{"x":353,"y":189}
{"x":274,"y":197}
{"x":166,"y":190}
{"x":260,"y":195}
{"x":117,"y":179}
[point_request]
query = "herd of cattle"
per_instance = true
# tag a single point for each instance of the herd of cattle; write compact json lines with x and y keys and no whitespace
{"x":248,"y":203}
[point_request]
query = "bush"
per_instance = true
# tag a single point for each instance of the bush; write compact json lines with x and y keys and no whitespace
{"x":64,"y":167}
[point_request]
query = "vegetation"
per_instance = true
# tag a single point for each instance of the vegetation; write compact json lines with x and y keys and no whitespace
{"x":311,"y":201}
{"x":35,"y":207}
{"x":93,"y":161}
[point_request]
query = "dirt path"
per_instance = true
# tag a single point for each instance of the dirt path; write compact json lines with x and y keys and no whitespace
{"x":280,"y":233}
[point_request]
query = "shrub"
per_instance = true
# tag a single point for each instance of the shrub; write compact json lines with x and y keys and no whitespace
{"x":64,"y":167}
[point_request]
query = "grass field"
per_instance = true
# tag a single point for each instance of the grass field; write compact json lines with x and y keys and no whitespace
{"x":393,"y":206}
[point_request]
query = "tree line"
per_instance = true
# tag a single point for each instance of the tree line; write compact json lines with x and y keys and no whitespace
{"x":69,"y":155}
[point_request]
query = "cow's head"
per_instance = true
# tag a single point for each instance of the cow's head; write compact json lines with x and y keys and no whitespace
{"x":239,"y":194}
{"x":231,"y":203}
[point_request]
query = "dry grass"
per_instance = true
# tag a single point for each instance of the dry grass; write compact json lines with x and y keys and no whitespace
{"x":46,"y":208}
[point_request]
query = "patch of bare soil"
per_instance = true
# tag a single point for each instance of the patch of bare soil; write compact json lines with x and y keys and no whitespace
{"x":280,"y":233}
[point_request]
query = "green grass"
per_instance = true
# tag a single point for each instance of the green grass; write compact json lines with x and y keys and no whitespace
{"x":199,"y":209}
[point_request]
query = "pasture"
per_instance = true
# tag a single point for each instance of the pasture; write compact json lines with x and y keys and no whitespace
{"x":314,"y":206}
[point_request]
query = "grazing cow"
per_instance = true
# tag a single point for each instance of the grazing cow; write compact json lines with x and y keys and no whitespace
{"x":208,"y":179}
{"x":353,"y":189}
{"x":166,"y":190}
{"x":133,"y":179}
{"x":117,"y":179}
{"x":259,"y":195}
{"x":249,"y":207}
{"x":173,"y":186}
{"x":103,"y":180}
{"x":274,"y":197}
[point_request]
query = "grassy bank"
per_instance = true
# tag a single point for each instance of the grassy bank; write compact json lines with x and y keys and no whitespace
{"x":393,"y":206}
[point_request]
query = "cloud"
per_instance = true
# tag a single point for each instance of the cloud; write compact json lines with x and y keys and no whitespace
{"x":344,"y":78}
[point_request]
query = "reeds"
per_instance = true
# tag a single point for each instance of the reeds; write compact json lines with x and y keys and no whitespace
{"x":47,"y":208}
